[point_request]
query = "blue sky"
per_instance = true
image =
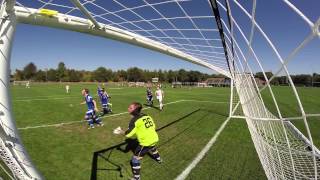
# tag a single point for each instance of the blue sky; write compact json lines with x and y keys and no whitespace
{"x":46,"y":47}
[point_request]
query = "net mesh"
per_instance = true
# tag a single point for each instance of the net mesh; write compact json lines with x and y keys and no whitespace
{"x":167,"y":22}
{"x":253,"y":44}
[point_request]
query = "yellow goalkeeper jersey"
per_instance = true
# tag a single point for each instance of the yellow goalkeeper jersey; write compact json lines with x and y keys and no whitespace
{"x":144,"y":128}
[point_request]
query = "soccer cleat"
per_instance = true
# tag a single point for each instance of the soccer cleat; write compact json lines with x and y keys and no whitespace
{"x":133,"y":178}
{"x":159,"y":161}
{"x":91,"y":127}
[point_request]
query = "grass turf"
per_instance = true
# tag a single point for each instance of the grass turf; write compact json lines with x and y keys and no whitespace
{"x":67,"y":151}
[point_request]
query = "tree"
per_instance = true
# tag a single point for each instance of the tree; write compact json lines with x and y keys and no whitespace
{"x":135,"y":74}
{"x":52,"y":75}
{"x":182,"y":75}
{"x":161,"y":76}
{"x":171,"y":76}
{"x":260,"y":75}
{"x":61,"y":71}
{"x":302,"y":79}
{"x":40,"y":76}
{"x":316,"y":77}
{"x":73,"y":75}
{"x":18,"y":75}
{"x":29,"y":71}
{"x":121,"y":75}
{"x":194,"y":76}
{"x":101,"y":74}
{"x":86,"y":76}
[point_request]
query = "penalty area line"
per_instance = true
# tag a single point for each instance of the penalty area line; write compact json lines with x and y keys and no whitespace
{"x":203,"y":152}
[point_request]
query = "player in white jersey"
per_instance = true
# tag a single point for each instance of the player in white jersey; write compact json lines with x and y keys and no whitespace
{"x":28,"y":84}
{"x":67,"y":88}
{"x":160,"y":95}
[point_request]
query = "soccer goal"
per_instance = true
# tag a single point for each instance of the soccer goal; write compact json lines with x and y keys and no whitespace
{"x":234,"y":38}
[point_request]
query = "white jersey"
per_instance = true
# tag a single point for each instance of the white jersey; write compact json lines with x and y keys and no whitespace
{"x":159,"y":94}
{"x":67,"y":88}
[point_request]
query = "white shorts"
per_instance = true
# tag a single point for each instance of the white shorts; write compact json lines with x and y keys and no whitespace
{"x":159,"y":99}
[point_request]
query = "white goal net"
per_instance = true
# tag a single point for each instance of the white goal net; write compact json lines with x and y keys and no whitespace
{"x":234,"y":38}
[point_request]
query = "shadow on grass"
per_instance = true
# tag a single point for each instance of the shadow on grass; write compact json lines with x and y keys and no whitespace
{"x":152,"y":106}
{"x":216,"y":112}
{"x":130,"y":145}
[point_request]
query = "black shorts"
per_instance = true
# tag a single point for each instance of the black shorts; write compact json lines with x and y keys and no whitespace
{"x":140,"y":151}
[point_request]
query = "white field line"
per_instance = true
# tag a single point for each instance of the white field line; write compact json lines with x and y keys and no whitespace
{"x":29,"y":97}
{"x":59,"y":97}
{"x":44,"y":99}
{"x":191,"y":100}
{"x":112,"y":115}
{"x":115,"y":88}
{"x":203,"y":152}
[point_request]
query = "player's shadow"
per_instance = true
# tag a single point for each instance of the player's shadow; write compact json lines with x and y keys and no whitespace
{"x":125,"y":147}
{"x":215,"y":111}
{"x":152,"y":106}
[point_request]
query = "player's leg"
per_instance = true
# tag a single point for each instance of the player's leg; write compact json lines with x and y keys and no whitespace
{"x":135,"y":167}
{"x":148,"y":100}
{"x":96,"y":119}
{"x":135,"y":161}
{"x":105,"y":108}
{"x":155,"y":154}
{"x":109,"y":105}
{"x":160,"y":103}
{"x":89,"y":118}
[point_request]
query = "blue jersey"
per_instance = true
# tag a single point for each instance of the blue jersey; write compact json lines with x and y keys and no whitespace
{"x":89,"y":101}
{"x":99,"y":91}
{"x":103,"y":97}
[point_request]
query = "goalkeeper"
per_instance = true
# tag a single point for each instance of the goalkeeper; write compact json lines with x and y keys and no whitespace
{"x":144,"y":128}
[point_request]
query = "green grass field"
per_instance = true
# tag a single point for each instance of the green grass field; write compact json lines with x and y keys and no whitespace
{"x":190,"y":118}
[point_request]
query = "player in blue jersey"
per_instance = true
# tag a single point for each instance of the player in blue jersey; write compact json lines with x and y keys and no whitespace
{"x":104,"y":99}
{"x":91,"y":116}
{"x":149,"y":97}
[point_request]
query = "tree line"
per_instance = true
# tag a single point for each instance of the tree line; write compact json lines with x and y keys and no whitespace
{"x":135,"y":74}
{"x":102,"y":74}
{"x":298,"y":80}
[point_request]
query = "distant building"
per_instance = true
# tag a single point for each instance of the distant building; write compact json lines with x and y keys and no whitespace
{"x":218,"y":82}
{"x":136,"y":84}
{"x":176,"y":84}
{"x":260,"y":82}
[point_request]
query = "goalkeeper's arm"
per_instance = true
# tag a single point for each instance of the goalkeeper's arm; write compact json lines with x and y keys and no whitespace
{"x":131,"y":130}
{"x":128,"y":133}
